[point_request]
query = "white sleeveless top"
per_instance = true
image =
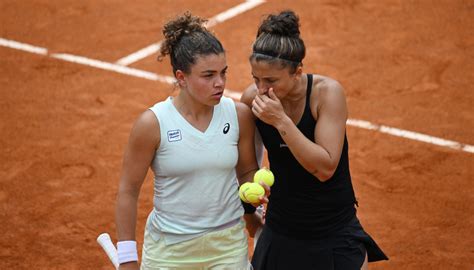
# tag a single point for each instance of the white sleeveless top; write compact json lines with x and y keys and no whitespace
{"x":195,"y":185}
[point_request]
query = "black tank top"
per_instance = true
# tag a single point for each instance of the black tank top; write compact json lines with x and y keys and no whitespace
{"x":300,"y":205}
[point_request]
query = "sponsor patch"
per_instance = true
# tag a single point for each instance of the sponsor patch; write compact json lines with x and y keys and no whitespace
{"x":174,"y":135}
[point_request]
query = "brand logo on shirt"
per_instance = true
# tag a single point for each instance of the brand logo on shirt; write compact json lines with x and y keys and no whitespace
{"x":283,"y":145}
{"x":174,"y":135}
{"x":226,"y":128}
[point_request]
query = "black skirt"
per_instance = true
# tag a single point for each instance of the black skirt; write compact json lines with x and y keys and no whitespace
{"x":344,"y":251}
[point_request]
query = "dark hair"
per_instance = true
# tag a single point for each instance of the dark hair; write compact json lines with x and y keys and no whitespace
{"x":186,"y":38}
{"x":278,"y":40}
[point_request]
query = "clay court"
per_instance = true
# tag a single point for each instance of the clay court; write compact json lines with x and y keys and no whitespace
{"x":69,"y":96}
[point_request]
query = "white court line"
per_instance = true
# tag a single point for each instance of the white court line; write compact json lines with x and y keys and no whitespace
{"x":139,"y":55}
{"x":113,"y":67}
{"x":221,"y":17}
{"x":233,"y":94}
{"x":230,"y":13}
{"x":411,"y":135}
{"x":86,"y":61}
{"x":23,"y":46}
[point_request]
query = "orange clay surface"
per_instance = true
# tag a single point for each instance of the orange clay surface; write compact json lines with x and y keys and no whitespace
{"x":63,"y":126}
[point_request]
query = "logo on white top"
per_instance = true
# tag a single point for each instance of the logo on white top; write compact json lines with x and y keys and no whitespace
{"x":174,"y":135}
{"x":226,"y":128}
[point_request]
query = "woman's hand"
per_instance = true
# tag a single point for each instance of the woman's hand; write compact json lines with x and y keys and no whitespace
{"x":129,"y":266}
{"x":253,"y":222}
{"x":268,"y":108}
{"x":263,"y":199}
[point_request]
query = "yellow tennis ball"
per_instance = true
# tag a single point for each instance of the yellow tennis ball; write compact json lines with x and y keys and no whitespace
{"x":251,"y":192}
{"x":242,"y":188}
{"x":264,"y":175}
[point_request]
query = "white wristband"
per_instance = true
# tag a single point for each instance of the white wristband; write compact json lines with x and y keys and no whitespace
{"x":127,"y":251}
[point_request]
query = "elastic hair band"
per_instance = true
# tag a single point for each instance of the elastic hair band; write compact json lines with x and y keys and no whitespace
{"x":278,"y":57}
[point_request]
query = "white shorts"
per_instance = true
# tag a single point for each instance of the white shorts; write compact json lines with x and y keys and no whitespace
{"x":216,"y":250}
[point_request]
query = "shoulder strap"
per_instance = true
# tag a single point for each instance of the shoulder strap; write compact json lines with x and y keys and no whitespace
{"x":309,"y":87}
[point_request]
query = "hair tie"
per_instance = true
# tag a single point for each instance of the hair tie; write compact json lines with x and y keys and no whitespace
{"x":274,"y":56}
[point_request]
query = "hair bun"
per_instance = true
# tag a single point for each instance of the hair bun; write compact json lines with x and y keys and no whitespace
{"x":284,"y":24}
{"x":183,"y":25}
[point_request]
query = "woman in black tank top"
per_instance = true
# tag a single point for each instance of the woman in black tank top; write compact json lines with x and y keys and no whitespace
{"x":311,"y":220}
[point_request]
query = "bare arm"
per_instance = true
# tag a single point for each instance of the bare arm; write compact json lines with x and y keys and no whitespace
{"x":255,"y":220}
{"x":320,"y":157}
{"x":143,"y":142}
{"x":247,"y":98}
{"x":247,"y":163}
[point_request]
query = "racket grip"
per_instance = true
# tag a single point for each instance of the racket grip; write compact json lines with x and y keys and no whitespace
{"x":106,"y":243}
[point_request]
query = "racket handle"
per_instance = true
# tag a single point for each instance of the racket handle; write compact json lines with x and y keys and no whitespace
{"x":106,"y":243}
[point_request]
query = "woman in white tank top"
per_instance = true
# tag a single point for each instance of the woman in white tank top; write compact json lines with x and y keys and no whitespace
{"x":198,"y":145}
